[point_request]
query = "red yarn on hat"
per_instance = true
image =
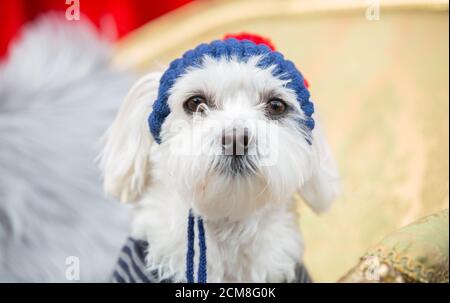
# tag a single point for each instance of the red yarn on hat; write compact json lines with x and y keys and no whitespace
{"x":257,"y":39}
{"x":306,"y":83}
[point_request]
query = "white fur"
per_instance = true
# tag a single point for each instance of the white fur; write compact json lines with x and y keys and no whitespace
{"x":58,"y":94}
{"x":252,"y":235}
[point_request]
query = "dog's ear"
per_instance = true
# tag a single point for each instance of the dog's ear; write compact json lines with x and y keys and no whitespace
{"x":322,"y":188}
{"x":124,"y":160}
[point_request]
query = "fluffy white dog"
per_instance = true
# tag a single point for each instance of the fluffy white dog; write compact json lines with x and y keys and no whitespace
{"x":233,"y":147}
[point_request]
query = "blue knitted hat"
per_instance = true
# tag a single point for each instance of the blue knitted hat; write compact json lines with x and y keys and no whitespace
{"x":242,"y":50}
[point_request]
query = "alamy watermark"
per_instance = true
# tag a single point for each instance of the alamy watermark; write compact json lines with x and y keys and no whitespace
{"x":373,"y":10}
{"x":73,"y":10}
{"x":226,"y":138}
{"x":371,"y":265}
{"x":72,"y":268}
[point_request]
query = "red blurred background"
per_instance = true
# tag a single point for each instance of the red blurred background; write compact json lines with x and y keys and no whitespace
{"x":120,"y":15}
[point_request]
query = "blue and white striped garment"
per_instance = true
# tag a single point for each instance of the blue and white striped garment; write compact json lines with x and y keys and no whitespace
{"x":130,"y":267}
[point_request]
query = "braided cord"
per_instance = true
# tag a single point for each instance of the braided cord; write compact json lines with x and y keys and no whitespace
{"x":190,"y":249}
{"x":202,"y":266}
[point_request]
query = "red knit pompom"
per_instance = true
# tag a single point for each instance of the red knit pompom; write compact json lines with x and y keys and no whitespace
{"x":257,"y":39}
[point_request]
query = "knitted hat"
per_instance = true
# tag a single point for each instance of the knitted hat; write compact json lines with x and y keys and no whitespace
{"x":241,"y":47}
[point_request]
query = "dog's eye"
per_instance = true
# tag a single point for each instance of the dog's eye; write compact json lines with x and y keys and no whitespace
{"x":192,"y":104}
{"x":276,"y":107}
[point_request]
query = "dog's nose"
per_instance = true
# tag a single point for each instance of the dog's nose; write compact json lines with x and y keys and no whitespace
{"x":235,"y":141}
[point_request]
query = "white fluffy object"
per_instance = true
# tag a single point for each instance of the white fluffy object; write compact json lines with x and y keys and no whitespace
{"x":57,"y":96}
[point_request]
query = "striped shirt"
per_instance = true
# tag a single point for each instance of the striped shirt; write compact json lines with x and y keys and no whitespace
{"x":130,"y":267}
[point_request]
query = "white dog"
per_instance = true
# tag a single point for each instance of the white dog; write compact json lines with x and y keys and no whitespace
{"x":233,"y":146}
